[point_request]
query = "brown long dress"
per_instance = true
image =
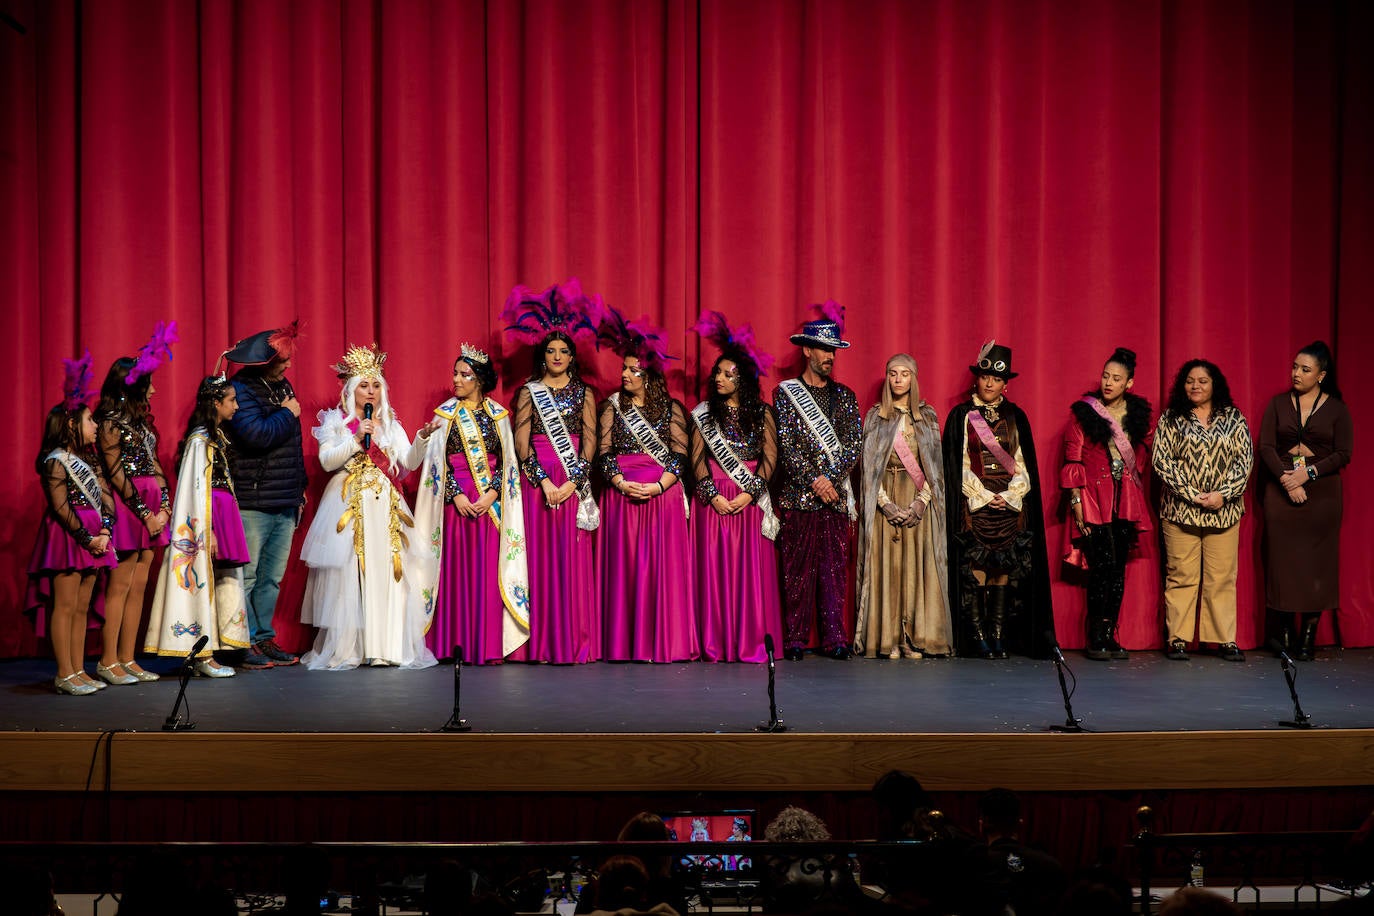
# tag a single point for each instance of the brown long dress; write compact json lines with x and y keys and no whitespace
{"x":1303,"y":542}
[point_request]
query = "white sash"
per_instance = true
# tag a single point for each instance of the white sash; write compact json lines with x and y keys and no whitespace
{"x":819,"y":426}
{"x":731,"y":463}
{"x":588,"y":515}
{"x":83,"y":475}
{"x":648,"y":441}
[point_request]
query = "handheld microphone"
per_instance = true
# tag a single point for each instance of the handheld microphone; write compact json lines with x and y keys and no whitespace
{"x":367,"y":415}
{"x":1277,"y":648}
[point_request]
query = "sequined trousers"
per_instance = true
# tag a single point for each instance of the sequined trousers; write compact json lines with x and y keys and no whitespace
{"x":813,"y":548}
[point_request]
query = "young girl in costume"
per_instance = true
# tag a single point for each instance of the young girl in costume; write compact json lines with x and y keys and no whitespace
{"x":127,"y":440}
{"x":200,"y":588}
{"x":73,"y":544}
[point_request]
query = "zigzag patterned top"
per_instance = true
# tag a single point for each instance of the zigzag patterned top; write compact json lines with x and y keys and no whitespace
{"x":1191,"y":458}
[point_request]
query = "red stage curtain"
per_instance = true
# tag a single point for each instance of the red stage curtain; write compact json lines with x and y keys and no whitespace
{"x":1180,"y":178}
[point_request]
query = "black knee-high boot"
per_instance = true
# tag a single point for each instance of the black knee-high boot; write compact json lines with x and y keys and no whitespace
{"x":1307,"y":640}
{"x":1117,"y":595}
{"x":997,"y":620}
{"x":976,"y":629}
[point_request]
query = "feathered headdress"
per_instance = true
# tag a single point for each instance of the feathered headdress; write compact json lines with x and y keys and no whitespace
{"x":639,"y":339}
{"x":561,"y":307}
{"x":738,"y":344}
{"x":151,"y":354}
{"x":76,"y":381}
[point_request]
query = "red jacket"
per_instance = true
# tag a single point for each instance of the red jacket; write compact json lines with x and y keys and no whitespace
{"x":1088,"y":468}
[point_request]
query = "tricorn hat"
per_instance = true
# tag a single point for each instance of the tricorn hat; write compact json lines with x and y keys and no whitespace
{"x":264,"y":346}
{"x":994,"y":359}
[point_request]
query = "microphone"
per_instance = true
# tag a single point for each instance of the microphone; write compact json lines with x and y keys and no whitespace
{"x":173,"y":721}
{"x":367,"y":415}
{"x":774,"y":723}
{"x":1057,"y":655}
{"x":456,"y":722}
{"x":1277,"y":648}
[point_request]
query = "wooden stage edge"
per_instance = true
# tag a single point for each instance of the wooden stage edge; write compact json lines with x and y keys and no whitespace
{"x":156,"y":762}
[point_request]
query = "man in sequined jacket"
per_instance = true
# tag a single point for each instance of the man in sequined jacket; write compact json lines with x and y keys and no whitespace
{"x":820,"y":436}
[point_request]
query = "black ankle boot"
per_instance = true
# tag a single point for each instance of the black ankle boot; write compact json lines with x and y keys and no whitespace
{"x":1307,"y":640}
{"x":1098,"y":650}
{"x":997,"y":620}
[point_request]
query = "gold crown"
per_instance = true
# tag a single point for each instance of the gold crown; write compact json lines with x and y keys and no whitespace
{"x":364,"y":362}
{"x":473,"y":355}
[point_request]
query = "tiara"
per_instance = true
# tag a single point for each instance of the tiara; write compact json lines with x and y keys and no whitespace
{"x":471,"y":354}
{"x":363,"y":362}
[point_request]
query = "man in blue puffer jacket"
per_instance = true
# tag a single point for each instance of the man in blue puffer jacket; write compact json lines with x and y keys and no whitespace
{"x":268,"y":466}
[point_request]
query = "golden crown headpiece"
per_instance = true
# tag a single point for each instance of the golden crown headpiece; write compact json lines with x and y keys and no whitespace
{"x":471,"y":354}
{"x":364,"y":362}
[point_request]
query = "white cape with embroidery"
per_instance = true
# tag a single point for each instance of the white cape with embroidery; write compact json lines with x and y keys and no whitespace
{"x":192,"y":598}
{"x":366,"y":614}
{"x":508,"y":513}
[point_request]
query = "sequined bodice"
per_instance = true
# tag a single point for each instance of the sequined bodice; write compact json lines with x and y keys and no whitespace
{"x":137,"y":445}
{"x":490,"y":437}
{"x":747,"y":443}
{"x":568,"y":400}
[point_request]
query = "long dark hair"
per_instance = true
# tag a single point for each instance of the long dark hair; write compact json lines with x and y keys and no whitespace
{"x":61,"y":430}
{"x":537,"y":369}
{"x":657,"y":402}
{"x":1180,"y":406}
{"x":1319,"y":351}
{"x":213,"y":389}
{"x":751,"y":408}
{"x":120,"y":398}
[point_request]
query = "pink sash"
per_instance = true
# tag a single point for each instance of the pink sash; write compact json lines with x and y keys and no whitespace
{"x":989,"y":440}
{"x":1123,"y":443}
{"x":908,"y":458}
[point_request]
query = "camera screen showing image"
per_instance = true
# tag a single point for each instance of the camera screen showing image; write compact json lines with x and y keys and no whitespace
{"x":713,"y":827}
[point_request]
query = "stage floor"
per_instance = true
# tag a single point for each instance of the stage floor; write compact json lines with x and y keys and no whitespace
{"x":963,"y":724}
{"x":1146,"y":693}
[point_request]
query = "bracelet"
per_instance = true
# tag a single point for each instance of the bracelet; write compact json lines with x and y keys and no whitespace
{"x":661,"y":489}
{"x":1075,"y":501}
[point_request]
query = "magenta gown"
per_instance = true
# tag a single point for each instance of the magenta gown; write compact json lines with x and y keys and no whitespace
{"x":736,"y":566}
{"x":565,"y":582}
{"x":68,"y":520}
{"x":647,"y":574}
{"x":468,"y":609}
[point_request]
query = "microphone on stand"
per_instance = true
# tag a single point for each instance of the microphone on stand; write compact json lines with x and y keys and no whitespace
{"x":456,"y":722}
{"x":1290,"y":674}
{"x":173,"y":721}
{"x":1071,"y":722}
{"x":367,"y":437}
{"x":774,"y":724}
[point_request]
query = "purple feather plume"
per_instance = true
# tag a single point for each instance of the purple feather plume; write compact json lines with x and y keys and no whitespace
{"x":639,"y":338}
{"x":739,"y":343}
{"x":76,"y":380}
{"x":151,"y":354}
{"x":561,"y":307}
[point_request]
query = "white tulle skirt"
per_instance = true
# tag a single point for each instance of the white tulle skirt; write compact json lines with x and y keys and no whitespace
{"x":364,"y":614}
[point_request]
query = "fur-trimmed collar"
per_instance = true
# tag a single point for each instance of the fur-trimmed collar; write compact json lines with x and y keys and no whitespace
{"x":1136,"y":426}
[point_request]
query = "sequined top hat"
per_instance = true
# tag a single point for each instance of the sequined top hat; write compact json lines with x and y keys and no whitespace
{"x":994,"y":359}
{"x":825,"y":331}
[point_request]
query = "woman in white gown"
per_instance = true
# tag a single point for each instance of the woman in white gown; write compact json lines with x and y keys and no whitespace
{"x":363,"y":556}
